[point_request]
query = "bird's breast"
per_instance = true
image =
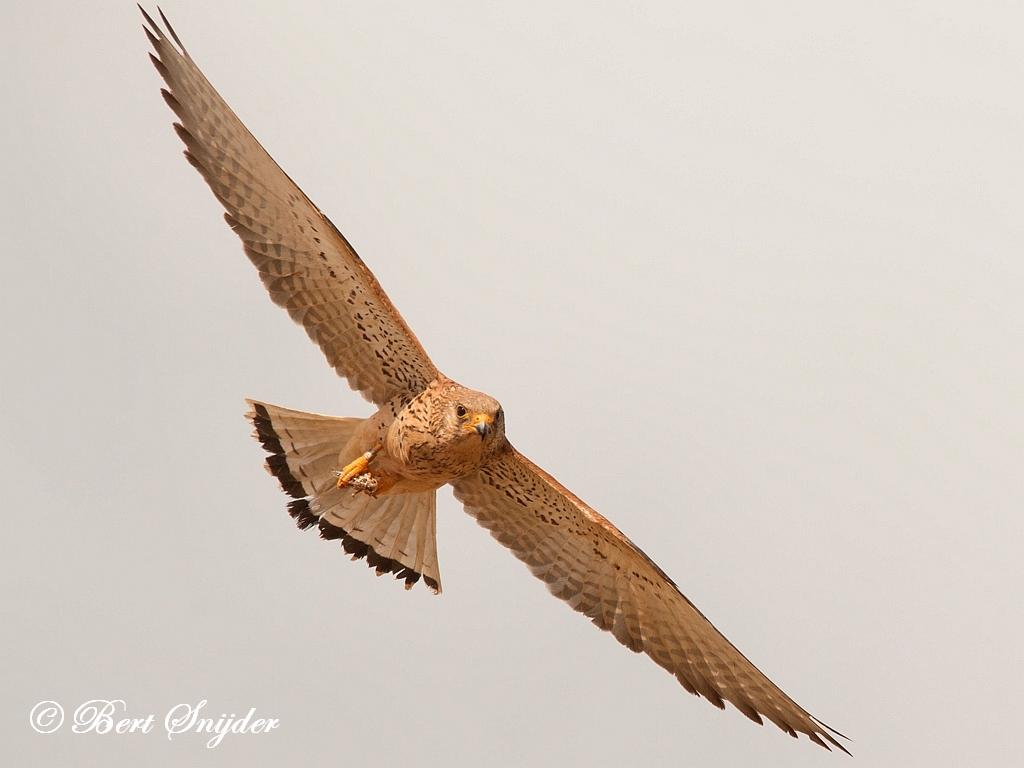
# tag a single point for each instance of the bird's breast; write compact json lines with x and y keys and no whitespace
{"x":423,"y":455}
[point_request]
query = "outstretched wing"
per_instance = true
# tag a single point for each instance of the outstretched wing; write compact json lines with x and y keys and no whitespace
{"x":306,"y":264}
{"x":589,"y":563}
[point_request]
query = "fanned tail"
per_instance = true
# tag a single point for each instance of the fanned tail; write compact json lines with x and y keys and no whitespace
{"x":396,"y":534}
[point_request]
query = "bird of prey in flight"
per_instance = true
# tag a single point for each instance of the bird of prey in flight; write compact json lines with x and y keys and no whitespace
{"x":371,"y":483}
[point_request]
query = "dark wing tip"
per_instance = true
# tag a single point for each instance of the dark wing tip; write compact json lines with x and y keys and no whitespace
{"x":171,"y":29}
{"x":159,"y":65}
{"x":149,"y":20}
{"x":829,"y":732}
{"x":175,"y":106}
{"x":155,"y":33}
{"x":832,"y":730}
{"x":748,"y":711}
{"x":154,"y":41}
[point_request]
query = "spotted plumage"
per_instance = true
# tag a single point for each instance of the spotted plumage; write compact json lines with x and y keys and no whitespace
{"x":429,"y":430}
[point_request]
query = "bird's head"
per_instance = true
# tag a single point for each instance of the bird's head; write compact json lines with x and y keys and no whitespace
{"x":476,"y":415}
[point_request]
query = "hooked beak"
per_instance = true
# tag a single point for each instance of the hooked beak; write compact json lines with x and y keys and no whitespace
{"x":482,"y":424}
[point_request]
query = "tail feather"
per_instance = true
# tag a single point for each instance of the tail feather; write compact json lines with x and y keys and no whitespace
{"x":399,"y":530}
{"x":396,"y":534}
{"x":304,"y":448}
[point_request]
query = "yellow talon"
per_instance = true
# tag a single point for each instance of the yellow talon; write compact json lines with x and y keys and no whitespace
{"x":371,"y":482}
{"x":357,"y":467}
{"x":360,"y":476}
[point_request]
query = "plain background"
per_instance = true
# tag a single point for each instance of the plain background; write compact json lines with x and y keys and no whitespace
{"x":745,"y":276}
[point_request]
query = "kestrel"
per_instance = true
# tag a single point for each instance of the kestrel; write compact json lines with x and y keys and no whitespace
{"x":371,"y":482}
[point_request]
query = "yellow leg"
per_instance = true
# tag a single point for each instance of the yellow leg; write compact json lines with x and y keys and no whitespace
{"x":373,"y":482}
{"x":357,"y":467}
{"x":360,"y":476}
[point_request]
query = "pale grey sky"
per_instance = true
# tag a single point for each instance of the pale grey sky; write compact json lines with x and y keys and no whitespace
{"x":747,"y":277}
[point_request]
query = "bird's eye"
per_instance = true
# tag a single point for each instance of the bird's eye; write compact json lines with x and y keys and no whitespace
{"x":498,"y":415}
{"x":460,"y":411}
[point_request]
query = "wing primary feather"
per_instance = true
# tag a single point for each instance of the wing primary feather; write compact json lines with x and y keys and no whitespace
{"x":275,"y":219}
{"x":622,"y":590}
{"x":171,"y":30}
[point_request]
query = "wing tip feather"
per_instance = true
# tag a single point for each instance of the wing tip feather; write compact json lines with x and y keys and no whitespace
{"x":177,"y":109}
{"x":186,"y":84}
{"x":154,"y":29}
{"x":698,"y":674}
{"x":170,"y":29}
{"x":155,"y":42}
{"x":148,"y":18}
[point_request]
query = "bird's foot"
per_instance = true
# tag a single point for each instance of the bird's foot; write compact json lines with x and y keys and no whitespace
{"x":373,"y":482}
{"x":361,"y":477}
{"x":360,"y":466}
